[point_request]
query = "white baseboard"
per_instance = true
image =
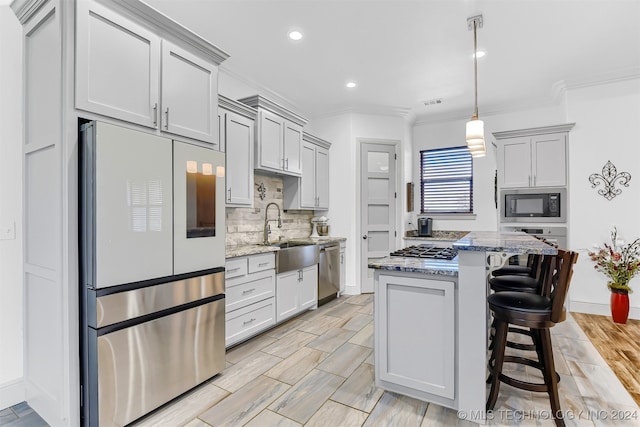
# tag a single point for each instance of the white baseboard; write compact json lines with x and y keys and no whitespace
{"x":12,"y":393}
{"x":601,"y":309}
{"x":351,"y":290}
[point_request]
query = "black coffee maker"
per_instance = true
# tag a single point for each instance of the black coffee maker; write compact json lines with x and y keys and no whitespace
{"x":425,"y":227}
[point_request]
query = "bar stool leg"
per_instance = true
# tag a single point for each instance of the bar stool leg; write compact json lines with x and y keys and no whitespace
{"x":550,"y":375}
{"x":497,"y":355}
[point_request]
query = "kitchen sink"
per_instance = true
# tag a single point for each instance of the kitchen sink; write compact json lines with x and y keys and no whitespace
{"x":295,"y":256}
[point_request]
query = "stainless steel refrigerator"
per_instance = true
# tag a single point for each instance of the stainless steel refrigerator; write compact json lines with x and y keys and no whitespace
{"x":152,"y":270}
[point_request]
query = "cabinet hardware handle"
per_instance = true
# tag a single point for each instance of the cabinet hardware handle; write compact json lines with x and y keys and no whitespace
{"x":248,"y":291}
{"x":287,"y":163}
{"x":229,"y":190}
{"x":364,"y":237}
{"x":231,"y":270}
{"x":529,"y":180}
{"x":166,"y":122}
{"x":341,"y":259}
{"x":283,"y":163}
{"x":262,"y":264}
{"x":249,"y":321}
{"x":155,"y":114}
{"x":534,"y":180}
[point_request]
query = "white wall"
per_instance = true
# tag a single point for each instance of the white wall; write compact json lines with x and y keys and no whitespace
{"x":451,"y":133}
{"x":607,"y":128}
{"x":344,"y":132}
{"x":11,"y":290}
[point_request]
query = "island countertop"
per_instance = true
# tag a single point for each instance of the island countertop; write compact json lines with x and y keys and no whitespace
{"x":516,"y":242}
{"x":416,"y":265}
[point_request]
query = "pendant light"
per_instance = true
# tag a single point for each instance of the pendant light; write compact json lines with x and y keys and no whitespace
{"x":475,"y":127}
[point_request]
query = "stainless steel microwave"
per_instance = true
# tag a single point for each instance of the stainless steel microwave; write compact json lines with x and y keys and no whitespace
{"x":533,"y":205}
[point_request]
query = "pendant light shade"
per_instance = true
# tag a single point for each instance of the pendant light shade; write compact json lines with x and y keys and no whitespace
{"x":475,"y":127}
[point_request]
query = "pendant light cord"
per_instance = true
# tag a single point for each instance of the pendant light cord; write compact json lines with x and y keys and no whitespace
{"x":475,"y":69}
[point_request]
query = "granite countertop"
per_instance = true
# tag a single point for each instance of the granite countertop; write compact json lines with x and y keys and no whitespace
{"x":417,"y":265}
{"x":244,"y":250}
{"x":440,"y":235}
{"x":516,"y":242}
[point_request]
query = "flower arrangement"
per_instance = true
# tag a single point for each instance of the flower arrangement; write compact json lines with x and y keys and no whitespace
{"x":619,"y":262}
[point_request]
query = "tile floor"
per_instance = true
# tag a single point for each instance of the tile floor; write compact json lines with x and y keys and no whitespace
{"x":317,"y":370}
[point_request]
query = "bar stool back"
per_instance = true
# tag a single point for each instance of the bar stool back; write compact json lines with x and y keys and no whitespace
{"x":539,"y":312}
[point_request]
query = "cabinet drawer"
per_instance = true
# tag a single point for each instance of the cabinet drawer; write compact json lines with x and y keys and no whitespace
{"x":252,"y":288}
{"x":235,"y":267}
{"x":262,"y":262}
{"x":250,"y":320}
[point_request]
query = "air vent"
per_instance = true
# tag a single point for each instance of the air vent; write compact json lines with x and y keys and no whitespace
{"x":434,"y":101}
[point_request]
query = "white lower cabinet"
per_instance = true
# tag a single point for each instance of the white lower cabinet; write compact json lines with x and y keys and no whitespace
{"x":414,"y":327}
{"x":296,"y":291}
{"x":250,"y":296}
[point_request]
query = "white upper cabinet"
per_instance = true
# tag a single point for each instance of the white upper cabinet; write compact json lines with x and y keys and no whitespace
{"x":278,"y":143}
{"x":311,"y":190}
{"x":147,"y":80}
{"x":292,"y":148}
{"x":533,"y":157}
{"x":237,"y":121}
{"x":189,"y":95}
{"x":117,"y":82}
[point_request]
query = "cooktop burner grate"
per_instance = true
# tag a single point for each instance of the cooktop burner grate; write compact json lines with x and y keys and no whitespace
{"x":426,"y":251}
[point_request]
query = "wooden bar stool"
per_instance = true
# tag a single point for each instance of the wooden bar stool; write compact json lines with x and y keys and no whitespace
{"x":539,"y":313}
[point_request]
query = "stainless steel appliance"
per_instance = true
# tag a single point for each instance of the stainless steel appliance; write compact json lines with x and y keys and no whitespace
{"x":533,"y":205}
{"x":425,"y":227}
{"x":556,"y":235}
{"x":426,"y":251}
{"x":152,"y":271}
{"x":329,"y":272}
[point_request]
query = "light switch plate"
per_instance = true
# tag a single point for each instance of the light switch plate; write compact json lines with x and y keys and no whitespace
{"x":8,"y":231}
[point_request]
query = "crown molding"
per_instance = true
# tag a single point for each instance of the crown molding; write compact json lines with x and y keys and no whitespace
{"x":533,"y":131}
{"x":25,"y":9}
{"x":161,"y":22}
{"x":315,"y":140}
{"x":237,"y":107}
{"x":259,"y":101}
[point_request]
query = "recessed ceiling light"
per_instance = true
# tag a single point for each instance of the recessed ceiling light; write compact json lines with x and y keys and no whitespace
{"x":295,"y":35}
{"x":351,"y":85}
{"x":480,"y":54}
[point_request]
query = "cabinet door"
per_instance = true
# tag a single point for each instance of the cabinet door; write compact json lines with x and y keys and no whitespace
{"x":117,"y":82}
{"x":292,"y":148}
{"x":514,"y":163}
{"x":407,"y":308}
{"x":549,"y":160}
{"x":287,"y":302}
{"x":322,"y":178}
{"x":189,"y":95}
{"x":270,"y":132}
{"x":308,"y":179}
{"x":309,"y":287}
{"x":239,"y":148}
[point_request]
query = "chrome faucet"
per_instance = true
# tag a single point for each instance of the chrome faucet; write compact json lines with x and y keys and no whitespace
{"x":267,"y":227}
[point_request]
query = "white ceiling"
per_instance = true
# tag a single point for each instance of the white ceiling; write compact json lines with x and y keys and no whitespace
{"x":402,"y":53}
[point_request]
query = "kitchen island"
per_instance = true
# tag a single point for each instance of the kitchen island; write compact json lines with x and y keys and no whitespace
{"x":431,"y":321}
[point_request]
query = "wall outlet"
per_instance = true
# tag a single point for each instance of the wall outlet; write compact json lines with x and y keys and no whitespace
{"x":8,"y":231}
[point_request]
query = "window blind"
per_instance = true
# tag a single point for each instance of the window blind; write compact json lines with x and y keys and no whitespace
{"x":446,"y":180}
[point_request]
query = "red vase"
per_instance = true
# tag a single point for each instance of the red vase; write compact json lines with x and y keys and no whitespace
{"x":619,"y":305}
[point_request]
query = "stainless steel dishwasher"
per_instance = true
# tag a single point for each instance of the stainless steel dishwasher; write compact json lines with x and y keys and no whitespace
{"x":329,"y":272}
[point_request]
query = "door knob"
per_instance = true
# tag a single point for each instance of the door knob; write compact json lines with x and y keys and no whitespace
{"x":364,"y":237}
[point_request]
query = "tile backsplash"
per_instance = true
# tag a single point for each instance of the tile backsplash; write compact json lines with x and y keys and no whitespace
{"x":245,"y":226}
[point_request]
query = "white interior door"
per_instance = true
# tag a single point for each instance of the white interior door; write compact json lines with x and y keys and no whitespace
{"x":378,"y":205}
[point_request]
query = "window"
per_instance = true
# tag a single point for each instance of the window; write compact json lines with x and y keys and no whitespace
{"x":446,"y":181}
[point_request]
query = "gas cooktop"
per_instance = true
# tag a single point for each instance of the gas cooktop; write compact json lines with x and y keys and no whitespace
{"x":426,"y":251}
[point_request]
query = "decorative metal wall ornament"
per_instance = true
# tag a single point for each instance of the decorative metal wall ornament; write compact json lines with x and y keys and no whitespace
{"x":262,"y":190}
{"x":609,"y":177}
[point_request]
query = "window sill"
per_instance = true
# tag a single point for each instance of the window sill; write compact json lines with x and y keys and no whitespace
{"x":454,"y":217}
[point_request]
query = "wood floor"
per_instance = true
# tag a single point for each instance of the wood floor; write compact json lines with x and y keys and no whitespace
{"x":317,"y":370}
{"x":618,"y":344}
